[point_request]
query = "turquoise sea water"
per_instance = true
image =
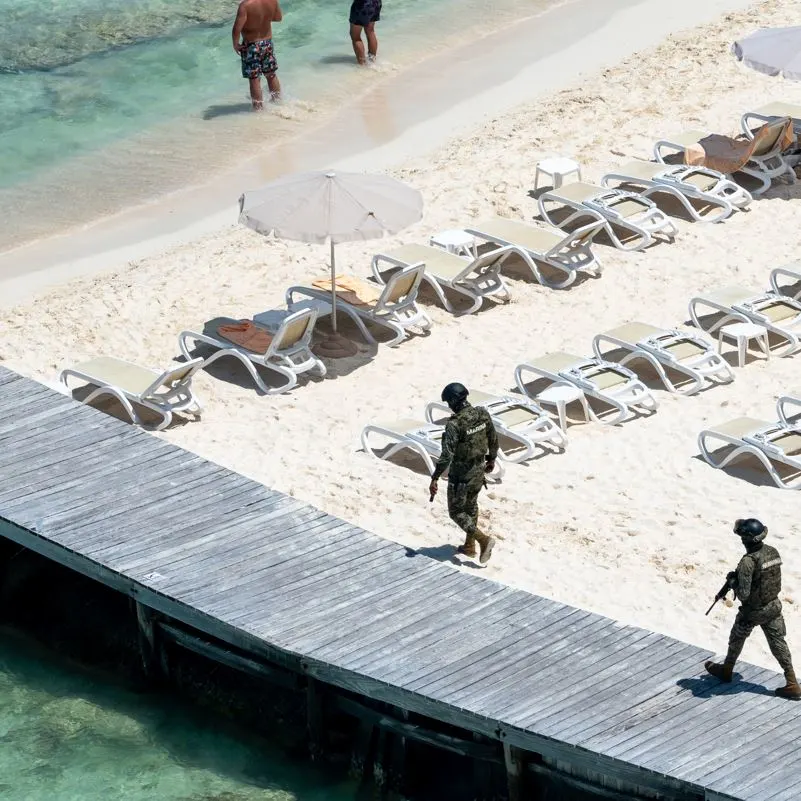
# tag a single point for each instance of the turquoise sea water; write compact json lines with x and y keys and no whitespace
{"x":67,"y":734}
{"x":106,"y":103}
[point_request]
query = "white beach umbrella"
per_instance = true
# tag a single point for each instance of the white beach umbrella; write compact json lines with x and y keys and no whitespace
{"x":774,"y":51}
{"x":337,"y":207}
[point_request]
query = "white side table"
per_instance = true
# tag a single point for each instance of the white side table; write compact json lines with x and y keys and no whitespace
{"x":559,"y":395}
{"x":557,"y":169}
{"x":456,"y":241}
{"x":744,"y":333}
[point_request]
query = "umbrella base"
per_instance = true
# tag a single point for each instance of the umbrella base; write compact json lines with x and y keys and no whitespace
{"x":335,"y":346}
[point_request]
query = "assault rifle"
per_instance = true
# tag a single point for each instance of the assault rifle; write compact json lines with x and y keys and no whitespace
{"x":731,"y":581}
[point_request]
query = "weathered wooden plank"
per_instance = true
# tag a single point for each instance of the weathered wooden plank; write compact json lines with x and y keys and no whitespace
{"x":633,"y":698}
{"x":508,"y":657}
{"x":557,"y":713}
{"x":344,"y":621}
{"x":422,"y":643}
{"x":655,"y":719}
{"x":207,"y":510}
{"x":433,"y":647}
{"x":401,"y":576}
{"x":200,"y":544}
{"x":327,"y":637}
{"x":268,"y":589}
{"x":584,"y":685}
{"x":534,"y":672}
{"x":101,"y":488}
{"x":278,"y":534}
{"x":154,"y":515}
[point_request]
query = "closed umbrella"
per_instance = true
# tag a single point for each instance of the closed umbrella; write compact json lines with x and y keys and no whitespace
{"x":773,"y":51}
{"x":335,"y":207}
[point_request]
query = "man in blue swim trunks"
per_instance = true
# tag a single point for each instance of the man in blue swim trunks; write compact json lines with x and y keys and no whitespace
{"x":253,"y":40}
{"x":364,"y":14}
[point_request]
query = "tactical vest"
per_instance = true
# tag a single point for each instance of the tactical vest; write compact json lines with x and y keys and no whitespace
{"x":766,"y":583}
{"x":472,"y":444}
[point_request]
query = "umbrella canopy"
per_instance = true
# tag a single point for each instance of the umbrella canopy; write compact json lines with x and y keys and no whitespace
{"x":330,"y":206}
{"x":340,"y":207}
{"x":774,"y":51}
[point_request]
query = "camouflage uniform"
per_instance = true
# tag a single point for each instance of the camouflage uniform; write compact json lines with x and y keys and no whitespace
{"x":469,"y":441}
{"x":758,"y":584}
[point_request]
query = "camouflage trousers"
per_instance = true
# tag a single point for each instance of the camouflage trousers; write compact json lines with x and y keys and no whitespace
{"x":772,"y":622}
{"x":463,"y":509}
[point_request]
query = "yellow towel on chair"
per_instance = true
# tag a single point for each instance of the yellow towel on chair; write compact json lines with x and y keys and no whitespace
{"x":351,"y":290}
{"x":247,"y":335}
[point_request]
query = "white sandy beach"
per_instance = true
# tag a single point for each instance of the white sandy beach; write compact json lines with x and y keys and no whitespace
{"x":629,"y":522}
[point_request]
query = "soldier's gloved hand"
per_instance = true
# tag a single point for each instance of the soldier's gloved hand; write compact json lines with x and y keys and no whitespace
{"x":731,"y":578}
{"x":490,"y":466}
{"x":432,"y":488}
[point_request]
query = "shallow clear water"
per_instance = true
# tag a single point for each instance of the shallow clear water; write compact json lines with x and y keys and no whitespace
{"x":107,"y":103}
{"x":67,"y":735}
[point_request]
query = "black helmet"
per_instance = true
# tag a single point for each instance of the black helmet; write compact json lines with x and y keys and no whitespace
{"x":750,"y":529}
{"x":454,"y":394}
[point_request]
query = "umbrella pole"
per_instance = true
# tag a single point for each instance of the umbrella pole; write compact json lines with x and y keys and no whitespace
{"x":333,"y":288}
{"x":335,"y":346}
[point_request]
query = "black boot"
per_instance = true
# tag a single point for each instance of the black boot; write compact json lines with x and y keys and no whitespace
{"x":722,"y":672}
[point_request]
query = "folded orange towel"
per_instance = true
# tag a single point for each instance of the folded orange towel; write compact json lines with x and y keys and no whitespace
{"x":247,"y":334}
{"x":351,"y":289}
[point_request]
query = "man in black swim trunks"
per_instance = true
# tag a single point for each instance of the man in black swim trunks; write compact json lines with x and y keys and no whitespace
{"x":253,"y":39}
{"x":364,"y":14}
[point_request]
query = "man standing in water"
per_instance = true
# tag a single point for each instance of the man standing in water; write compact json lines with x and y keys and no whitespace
{"x":364,"y":14}
{"x":253,"y":39}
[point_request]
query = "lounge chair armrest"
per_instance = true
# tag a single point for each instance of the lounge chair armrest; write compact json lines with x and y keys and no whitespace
{"x":782,"y":405}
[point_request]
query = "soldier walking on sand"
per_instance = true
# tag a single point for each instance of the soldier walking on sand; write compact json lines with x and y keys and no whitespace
{"x":469,"y":449}
{"x":757,"y":582}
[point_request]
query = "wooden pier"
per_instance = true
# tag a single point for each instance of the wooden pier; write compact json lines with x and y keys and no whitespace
{"x":268,"y":584}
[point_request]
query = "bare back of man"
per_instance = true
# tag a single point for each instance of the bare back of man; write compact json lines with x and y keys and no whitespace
{"x":252,"y":36}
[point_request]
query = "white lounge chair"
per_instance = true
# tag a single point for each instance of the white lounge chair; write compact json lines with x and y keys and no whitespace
{"x":791,"y":271}
{"x":286,"y":346}
{"x":690,"y":354}
{"x":685,"y":184}
{"x":761,"y":159}
{"x":770,"y":113}
{"x":474,"y":279}
{"x":393,"y":305}
{"x":565,"y":252}
{"x":516,"y":418}
{"x":607,"y":382}
{"x":773,"y":444}
{"x":780,"y":315}
{"x":424,"y":439}
{"x":615,"y":208}
{"x":164,"y":392}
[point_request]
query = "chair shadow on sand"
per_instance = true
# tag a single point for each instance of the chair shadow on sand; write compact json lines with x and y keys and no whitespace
{"x":109,"y":405}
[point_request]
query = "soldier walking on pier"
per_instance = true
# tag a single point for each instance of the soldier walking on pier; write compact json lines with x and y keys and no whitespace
{"x":469,"y":449}
{"x":757,"y":582}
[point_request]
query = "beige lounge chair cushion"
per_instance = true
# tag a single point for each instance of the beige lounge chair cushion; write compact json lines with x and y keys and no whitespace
{"x":351,"y":290}
{"x":438,"y":262}
{"x":557,"y":361}
{"x":634,"y":333}
{"x":403,"y":426}
{"x":779,"y":109}
{"x":247,"y":335}
{"x":730,"y":295}
{"x":740,"y":427}
{"x":779,"y":310}
{"x":649,"y":170}
{"x":527,"y":237}
{"x":580,"y":192}
{"x":131,"y":378}
{"x":790,"y":443}
{"x":517,"y":415}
